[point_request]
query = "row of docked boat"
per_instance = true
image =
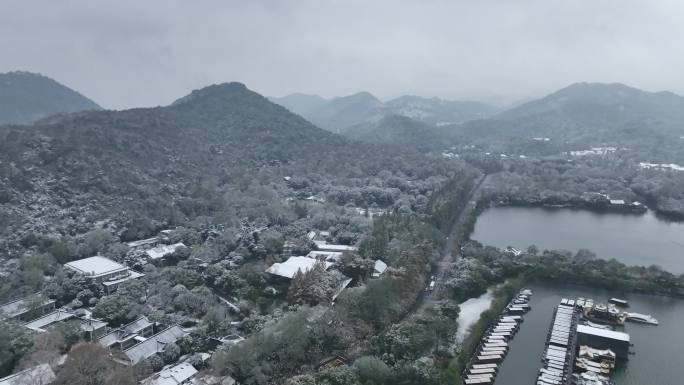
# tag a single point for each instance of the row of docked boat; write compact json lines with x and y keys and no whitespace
{"x":610,"y":314}
{"x":493,"y":347}
{"x":558,"y":356}
{"x":598,"y":361}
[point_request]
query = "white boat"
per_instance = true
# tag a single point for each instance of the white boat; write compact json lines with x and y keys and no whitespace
{"x":619,"y":302}
{"x":643,"y":318}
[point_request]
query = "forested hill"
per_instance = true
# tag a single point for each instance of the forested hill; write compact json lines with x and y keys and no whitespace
{"x":601,"y":103}
{"x":400,"y":131}
{"x":363,"y":109}
{"x":436,"y":111}
{"x":171,"y":164}
{"x":581,"y":116}
{"x":341,"y":113}
{"x":577,"y":117}
{"x":27,"y":97}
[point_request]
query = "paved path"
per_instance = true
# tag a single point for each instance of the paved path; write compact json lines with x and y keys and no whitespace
{"x":451,"y":247}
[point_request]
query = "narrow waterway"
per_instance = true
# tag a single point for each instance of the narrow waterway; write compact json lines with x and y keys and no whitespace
{"x":471,"y":311}
{"x":658,"y":358}
{"x":630,"y":238}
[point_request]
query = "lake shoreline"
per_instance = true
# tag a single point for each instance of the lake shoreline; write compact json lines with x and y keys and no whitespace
{"x":633,"y":239}
{"x":597,"y":207}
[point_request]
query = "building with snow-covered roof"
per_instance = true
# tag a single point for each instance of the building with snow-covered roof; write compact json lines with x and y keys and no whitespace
{"x":208,"y":379}
{"x":604,"y":339}
{"x":38,"y":375}
{"x":97,"y":267}
{"x":153,"y":345}
{"x":27,"y":308}
{"x":128,"y":335}
{"x":91,"y":328}
{"x":379,"y":268}
{"x":41,"y":324}
{"x":325,"y":246}
{"x":289,"y":268}
{"x":162,"y":251}
{"x":174,"y":375}
{"x":330,"y":256}
{"x":103,"y":270}
{"x":143,"y":243}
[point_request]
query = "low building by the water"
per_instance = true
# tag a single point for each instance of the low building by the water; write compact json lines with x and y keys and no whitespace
{"x":599,"y":338}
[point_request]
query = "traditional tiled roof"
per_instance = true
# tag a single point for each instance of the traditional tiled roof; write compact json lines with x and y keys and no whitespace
{"x":154,"y":344}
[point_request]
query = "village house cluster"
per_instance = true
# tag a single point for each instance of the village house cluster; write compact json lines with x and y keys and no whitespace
{"x":327,"y":254}
{"x":136,"y":341}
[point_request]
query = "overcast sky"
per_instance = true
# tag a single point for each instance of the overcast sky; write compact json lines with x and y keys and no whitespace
{"x":128,"y":53}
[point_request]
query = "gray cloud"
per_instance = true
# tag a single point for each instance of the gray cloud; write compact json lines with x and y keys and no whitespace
{"x":142,"y":53}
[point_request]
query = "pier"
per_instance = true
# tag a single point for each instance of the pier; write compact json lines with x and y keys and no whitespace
{"x":559,"y":355}
{"x":493,"y":347}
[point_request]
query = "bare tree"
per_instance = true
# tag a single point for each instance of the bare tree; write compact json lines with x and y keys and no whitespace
{"x":89,"y":364}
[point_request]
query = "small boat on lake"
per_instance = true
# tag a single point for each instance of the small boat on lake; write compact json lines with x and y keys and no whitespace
{"x":643,"y":318}
{"x":618,"y":302}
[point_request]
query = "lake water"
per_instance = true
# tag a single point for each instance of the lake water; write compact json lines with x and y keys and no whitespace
{"x":470,"y":312}
{"x":658,"y":358}
{"x":630,"y":238}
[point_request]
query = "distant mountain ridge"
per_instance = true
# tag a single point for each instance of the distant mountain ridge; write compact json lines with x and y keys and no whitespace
{"x":602,"y":101}
{"x":581,"y":116}
{"x":438,"y":111}
{"x":578,"y":116}
{"x":28,"y":97}
{"x":342,"y":113}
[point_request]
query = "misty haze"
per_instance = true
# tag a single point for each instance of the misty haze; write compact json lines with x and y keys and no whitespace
{"x":341,"y":192}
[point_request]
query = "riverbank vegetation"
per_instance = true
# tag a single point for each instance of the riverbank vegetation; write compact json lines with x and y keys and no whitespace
{"x":501,"y":297}
{"x":487,"y":265}
{"x":588,"y":182}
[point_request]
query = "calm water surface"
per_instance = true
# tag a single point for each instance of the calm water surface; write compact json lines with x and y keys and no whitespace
{"x":470,"y":312}
{"x":659,"y":358}
{"x":630,"y":238}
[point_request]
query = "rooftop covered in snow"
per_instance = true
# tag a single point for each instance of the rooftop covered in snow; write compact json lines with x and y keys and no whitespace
{"x":96,"y":266}
{"x":289,"y":268}
{"x":329,"y":256}
{"x":325,"y":246}
{"x":154,"y":344}
{"x":163,"y":250}
{"x":379,"y":268}
{"x":20,"y":306}
{"x":174,"y":375}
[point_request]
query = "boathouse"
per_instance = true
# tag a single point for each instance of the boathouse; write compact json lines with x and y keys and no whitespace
{"x":604,"y":339}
